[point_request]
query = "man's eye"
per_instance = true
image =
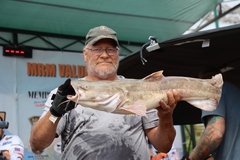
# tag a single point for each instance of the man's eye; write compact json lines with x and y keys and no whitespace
{"x":112,"y":50}
{"x":97,"y":50}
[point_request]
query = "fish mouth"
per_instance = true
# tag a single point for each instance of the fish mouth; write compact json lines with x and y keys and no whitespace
{"x":73,"y":97}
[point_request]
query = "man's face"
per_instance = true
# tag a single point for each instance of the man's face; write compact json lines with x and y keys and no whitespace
{"x":103,"y":65}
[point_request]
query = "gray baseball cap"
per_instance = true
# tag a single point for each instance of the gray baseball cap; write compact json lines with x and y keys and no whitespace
{"x":98,"y":33}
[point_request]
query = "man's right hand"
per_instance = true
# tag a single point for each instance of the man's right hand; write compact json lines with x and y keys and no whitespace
{"x":5,"y":154}
{"x":60,"y":104}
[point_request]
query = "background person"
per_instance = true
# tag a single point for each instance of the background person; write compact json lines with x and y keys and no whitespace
{"x":220,"y":137}
{"x":11,"y":146}
{"x":91,"y":134}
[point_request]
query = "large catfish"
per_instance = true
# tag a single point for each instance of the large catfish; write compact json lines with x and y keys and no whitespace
{"x":136,"y":96}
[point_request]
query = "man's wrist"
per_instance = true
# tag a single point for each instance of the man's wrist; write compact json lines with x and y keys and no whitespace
{"x":53,"y":119}
{"x":54,"y":113}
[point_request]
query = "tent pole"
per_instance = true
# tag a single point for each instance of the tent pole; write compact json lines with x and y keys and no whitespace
{"x":216,"y":18}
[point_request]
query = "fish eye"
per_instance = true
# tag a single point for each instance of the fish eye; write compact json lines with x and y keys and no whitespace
{"x":84,"y":87}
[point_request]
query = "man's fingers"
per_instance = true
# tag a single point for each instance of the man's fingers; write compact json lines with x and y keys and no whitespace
{"x":164,"y":105}
{"x":176,"y":95}
{"x":173,"y":97}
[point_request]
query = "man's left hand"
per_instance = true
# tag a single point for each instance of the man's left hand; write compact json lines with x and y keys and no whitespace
{"x":166,"y":107}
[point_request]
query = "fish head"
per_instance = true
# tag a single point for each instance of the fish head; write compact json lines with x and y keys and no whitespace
{"x":96,"y":95}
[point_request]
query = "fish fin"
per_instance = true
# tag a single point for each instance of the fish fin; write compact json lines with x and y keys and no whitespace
{"x":206,"y":105}
{"x":109,"y":105}
{"x":154,"y":76}
{"x":137,"y":107}
{"x":219,"y":80}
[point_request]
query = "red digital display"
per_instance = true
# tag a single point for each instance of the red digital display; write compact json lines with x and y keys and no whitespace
{"x":10,"y":51}
{"x":13,"y":51}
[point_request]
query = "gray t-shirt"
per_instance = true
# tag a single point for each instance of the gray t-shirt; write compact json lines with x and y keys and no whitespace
{"x":89,"y":134}
{"x":229,"y":109}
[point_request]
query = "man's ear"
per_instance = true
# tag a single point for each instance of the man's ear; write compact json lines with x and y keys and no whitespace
{"x":84,"y":54}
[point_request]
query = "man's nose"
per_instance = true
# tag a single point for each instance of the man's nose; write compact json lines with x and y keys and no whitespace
{"x":105,"y":54}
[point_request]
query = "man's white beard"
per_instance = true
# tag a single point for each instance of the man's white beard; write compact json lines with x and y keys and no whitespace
{"x":103,"y":74}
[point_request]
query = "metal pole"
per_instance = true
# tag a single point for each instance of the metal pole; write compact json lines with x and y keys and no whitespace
{"x":216,"y":18}
{"x":215,"y":15}
{"x":184,"y":141}
{"x":193,"y":138}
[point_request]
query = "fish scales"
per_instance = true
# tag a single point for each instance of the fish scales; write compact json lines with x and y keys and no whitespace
{"x":136,"y":96}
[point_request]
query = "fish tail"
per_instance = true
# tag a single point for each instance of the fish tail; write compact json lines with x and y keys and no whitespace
{"x":219,"y":80}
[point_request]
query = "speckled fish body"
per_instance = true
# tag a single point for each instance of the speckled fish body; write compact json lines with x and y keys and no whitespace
{"x":136,"y":96}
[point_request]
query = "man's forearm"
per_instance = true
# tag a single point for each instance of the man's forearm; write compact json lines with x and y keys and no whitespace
{"x":204,"y":148}
{"x":164,"y":135}
{"x":210,"y":139}
{"x":43,"y":133}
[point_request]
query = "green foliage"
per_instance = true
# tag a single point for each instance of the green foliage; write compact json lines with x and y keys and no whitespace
{"x":198,"y":129}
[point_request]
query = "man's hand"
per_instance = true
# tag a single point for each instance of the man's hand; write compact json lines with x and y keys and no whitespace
{"x":166,"y":108}
{"x":6,"y":154}
{"x":60,"y":104}
{"x":185,"y":158}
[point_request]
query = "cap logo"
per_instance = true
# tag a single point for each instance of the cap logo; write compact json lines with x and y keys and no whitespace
{"x":103,"y":28}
